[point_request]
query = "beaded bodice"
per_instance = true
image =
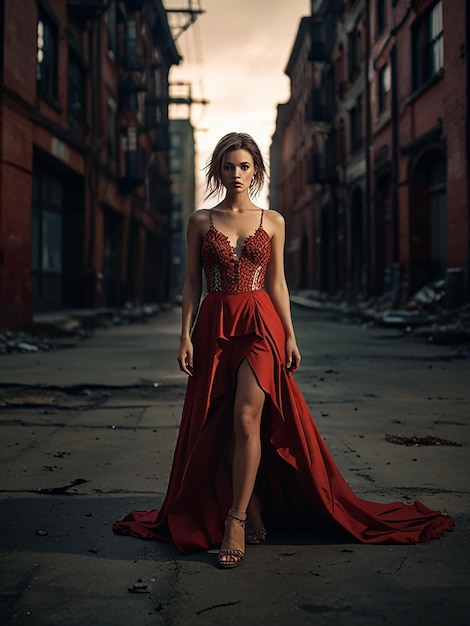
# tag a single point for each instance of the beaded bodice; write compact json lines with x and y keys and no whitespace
{"x":229,"y":272}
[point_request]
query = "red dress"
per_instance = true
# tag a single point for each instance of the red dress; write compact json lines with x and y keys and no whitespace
{"x":298,"y":480}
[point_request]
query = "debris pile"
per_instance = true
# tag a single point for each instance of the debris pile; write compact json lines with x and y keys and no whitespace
{"x":430,"y":297}
{"x":420,"y":441}
{"x":426,"y":315}
{"x":22,"y":342}
{"x":66,"y":329}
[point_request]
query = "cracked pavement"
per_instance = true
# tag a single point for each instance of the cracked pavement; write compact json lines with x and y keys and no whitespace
{"x":87,"y":433}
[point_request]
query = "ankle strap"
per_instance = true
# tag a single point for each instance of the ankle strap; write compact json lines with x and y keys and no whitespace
{"x":240,"y":520}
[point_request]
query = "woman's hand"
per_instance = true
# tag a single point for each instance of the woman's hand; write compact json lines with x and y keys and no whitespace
{"x":185,"y":356}
{"x":292,"y":356}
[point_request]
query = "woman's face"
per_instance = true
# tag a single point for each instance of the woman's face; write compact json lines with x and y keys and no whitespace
{"x":237,"y":170}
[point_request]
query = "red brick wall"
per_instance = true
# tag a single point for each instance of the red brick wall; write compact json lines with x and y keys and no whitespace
{"x":15,"y":226}
{"x":20,"y":45}
{"x":455,"y":109}
{"x":16,"y":164}
{"x":442,"y":103}
{"x":31,"y":123}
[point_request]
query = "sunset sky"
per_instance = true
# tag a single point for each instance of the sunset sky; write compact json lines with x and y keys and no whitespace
{"x":234,"y":56}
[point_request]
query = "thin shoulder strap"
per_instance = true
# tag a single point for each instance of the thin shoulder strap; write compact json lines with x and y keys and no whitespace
{"x":210,"y":217}
{"x":261,"y":220}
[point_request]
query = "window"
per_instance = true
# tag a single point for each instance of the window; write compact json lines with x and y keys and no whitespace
{"x":51,"y":242}
{"x":46,"y":240}
{"x":340,"y":142}
{"x":316,"y":106}
{"x":112,"y":29}
{"x":355,"y":51}
{"x":46,"y":64}
{"x":381,"y":15}
{"x":356,"y":126}
{"x":428,"y":46}
{"x":130,"y":139}
{"x":133,"y":157}
{"x":112,"y":143}
{"x":384,"y":87}
{"x":76,"y":99}
{"x":150,"y":113}
{"x":131,"y":56}
{"x":130,"y":101}
{"x":321,"y":165}
{"x":176,"y":164}
{"x":317,"y":45}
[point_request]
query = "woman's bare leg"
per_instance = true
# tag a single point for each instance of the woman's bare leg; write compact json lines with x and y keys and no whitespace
{"x":248,"y":406}
{"x":254,"y":523}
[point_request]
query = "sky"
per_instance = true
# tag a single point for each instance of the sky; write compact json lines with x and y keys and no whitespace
{"x":235,"y":55}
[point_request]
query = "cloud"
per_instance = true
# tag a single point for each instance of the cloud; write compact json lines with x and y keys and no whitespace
{"x":245,"y":46}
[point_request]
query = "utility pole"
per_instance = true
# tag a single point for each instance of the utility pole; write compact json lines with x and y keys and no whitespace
{"x":181,"y":94}
{"x":192,"y":11}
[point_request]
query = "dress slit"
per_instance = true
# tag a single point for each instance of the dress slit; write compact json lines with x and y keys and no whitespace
{"x":299,"y":482}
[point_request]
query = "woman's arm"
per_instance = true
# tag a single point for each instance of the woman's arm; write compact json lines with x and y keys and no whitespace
{"x":277,"y":288}
{"x":192,"y":289}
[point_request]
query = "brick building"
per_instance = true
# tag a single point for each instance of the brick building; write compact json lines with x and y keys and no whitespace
{"x":84,"y":160}
{"x":320,"y":135}
{"x":292,"y":148}
{"x":386,"y":187}
{"x":350,"y":103}
{"x":419,"y":138}
{"x":183,"y":168}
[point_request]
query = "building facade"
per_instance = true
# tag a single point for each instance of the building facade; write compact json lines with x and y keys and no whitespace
{"x":419,"y":139}
{"x":291,"y":151}
{"x":350,"y":104}
{"x":182,"y":168}
{"x":387,"y":184}
{"x":85,"y":196}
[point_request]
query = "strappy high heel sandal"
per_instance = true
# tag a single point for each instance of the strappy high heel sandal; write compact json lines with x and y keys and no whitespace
{"x":256,"y":537}
{"x":232,"y":557}
{"x":257,"y":534}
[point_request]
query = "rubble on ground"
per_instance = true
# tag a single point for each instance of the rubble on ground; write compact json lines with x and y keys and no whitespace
{"x":67,"y":328}
{"x":420,"y":441}
{"x":22,"y":342}
{"x":424,"y":316}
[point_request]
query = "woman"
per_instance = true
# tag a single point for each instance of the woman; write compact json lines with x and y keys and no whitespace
{"x":247,"y":446}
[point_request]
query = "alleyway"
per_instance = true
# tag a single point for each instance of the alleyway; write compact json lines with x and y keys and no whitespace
{"x":87,"y":434}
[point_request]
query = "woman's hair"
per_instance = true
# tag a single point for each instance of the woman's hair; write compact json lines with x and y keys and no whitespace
{"x":228,"y":143}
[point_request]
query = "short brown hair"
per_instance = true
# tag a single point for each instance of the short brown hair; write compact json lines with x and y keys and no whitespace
{"x":228,"y":143}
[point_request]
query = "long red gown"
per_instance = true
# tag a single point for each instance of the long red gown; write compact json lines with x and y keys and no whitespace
{"x":298,"y":480}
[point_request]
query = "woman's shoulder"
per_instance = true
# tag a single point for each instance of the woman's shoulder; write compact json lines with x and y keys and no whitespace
{"x":275,"y":219}
{"x":200,"y":218}
{"x":199,"y":215}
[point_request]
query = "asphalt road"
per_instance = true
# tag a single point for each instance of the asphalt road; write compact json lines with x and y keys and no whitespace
{"x":87,"y":433}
